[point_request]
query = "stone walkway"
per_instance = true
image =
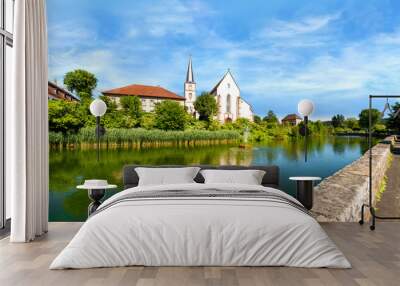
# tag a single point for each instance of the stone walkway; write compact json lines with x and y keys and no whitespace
{"x":390,"y":202}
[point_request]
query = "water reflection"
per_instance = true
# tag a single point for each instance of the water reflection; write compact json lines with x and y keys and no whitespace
{"x":70,"y":168}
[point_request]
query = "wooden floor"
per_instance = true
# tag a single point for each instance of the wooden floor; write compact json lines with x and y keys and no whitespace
{"x":375,"y":257}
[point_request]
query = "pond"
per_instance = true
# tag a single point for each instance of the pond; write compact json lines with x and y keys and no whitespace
{"x":69,"y":168}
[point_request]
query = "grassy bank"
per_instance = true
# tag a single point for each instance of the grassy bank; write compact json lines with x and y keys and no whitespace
{"x":140,"y":138}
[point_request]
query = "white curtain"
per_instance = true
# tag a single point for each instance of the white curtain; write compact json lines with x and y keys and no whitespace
{"x":27,"y":124}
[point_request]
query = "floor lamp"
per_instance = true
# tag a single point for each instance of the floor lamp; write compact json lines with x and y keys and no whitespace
{"x":98,"y":108}
{"x":369,"y":205}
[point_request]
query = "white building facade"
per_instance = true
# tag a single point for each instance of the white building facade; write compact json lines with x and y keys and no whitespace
{"x":149,"y":95}
{"x":230,"y":105}
{"x":245,"y":110}
{"x":227,"y":94}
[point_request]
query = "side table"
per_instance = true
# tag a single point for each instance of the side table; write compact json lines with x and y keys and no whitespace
{"x":305,"y":189}
{"x":95,"y":193}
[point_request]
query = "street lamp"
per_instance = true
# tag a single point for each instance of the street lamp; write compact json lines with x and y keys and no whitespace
{"x":98,"y":108}
{"x":305,"y":108}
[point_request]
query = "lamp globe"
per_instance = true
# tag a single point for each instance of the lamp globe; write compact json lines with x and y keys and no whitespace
{"x":98,"y":107}
{"x":305,"y":107}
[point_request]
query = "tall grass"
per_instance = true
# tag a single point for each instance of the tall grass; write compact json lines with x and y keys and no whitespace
{"x":138,"y":138}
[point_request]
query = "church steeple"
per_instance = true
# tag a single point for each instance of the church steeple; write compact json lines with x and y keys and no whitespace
{"x":190,"y":89}
{"x":189,"y":74}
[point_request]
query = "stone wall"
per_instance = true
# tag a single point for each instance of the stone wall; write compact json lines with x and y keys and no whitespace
{"x":340,"y":196}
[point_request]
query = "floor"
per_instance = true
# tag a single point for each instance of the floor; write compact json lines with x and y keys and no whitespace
{"x":389,"y":206}
{"x":375,"y":256}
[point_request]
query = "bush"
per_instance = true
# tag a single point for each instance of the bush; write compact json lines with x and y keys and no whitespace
{"x":132,"y":106}
{"x":65,"y":116}
{"x":194,"y":124}
{"x":352,"y":123}
{"x":170,"y":115}
{"x":257,"y":119}
{"x":214,"y":125}
{"x":380,"y":128}
{"x":147,"y":120}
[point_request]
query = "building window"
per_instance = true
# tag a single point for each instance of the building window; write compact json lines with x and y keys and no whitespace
{"x":190,"y":95}
{"x":6,"y":44}
{"x":228,"y":103}
{"x":229,"y":85}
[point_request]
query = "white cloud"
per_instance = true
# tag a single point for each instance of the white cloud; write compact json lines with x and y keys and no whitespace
{"x":102,"y":63}
{"x":165,"y":18}
{"x":354,"y":69}
{"x":71,"y":34}
{"x":132,"y":32}
{"x":286,"y":29}
{"x":285,"y":60}
{"x":388,"y":39}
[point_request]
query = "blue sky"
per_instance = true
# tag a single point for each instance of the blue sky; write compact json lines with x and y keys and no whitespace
{"x":332,"y":52}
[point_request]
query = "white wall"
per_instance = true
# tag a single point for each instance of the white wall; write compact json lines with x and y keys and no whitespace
{"x":245,"y":110}
{"x":227,"y":86}
{"x":148,"y":103}
{"x":190,"y":96}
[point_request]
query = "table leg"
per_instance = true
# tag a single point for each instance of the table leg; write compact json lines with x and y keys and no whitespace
{"x":95,"y":196}
{"x":305,"y":193}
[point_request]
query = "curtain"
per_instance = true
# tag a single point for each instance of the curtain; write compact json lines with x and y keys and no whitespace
{"x":27,"y":124}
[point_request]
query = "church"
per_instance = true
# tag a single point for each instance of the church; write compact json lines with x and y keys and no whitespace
{"x":231,"y":105}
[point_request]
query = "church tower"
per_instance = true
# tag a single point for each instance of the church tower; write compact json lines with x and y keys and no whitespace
{"x":190,"y":89}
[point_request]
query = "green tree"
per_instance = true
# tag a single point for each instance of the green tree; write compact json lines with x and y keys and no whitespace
{"x":271,"y":117}
{"x":352,"y":123}
{"x":111,"y":104}
{"x":394,"y":122}
{"x":81,"y":82}
{"x":206,"y":106}
{"x":84,"y":114}
{"x":214,"y":125}
{"x":380,"y":128}
{"x":132,"y":105}
{"x":241,"y":124}
{"x":170,"y":115}
{"x":64,"y":116}
{"x":113,"y":118}
{"x":338,"y":120}
{"x":317,"y":127}
{"x":148,"y":120}
{"x":364,"y":118}
{"x":257,"y":119}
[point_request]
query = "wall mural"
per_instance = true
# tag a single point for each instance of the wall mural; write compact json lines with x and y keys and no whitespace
{"x":208,"y":83}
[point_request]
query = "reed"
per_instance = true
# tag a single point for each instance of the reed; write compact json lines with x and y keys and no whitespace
{"x":142,"y":138}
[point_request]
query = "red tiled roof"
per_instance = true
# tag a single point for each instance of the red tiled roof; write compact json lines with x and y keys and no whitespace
{"x":58,"y":92}
{"x":291,"y":117}
{"x":143,"y":91}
